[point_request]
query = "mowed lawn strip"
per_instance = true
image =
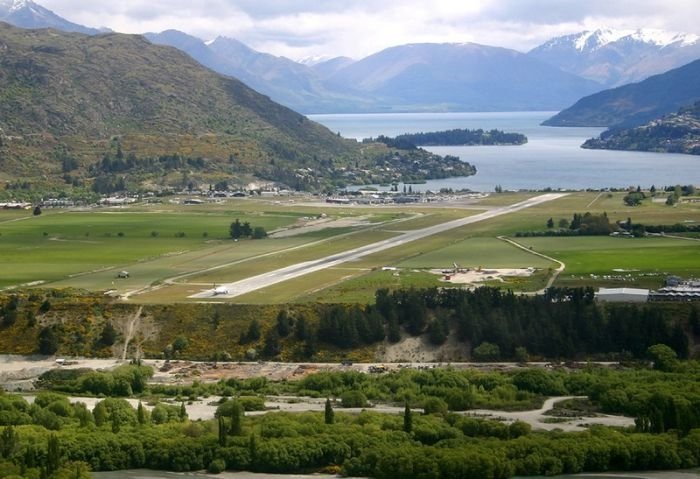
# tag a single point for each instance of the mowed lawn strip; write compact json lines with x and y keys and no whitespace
{"x":145,"y":273}
{"x":58,"y":244}
{"x":603,"y":255}
{"x":475,"y":252}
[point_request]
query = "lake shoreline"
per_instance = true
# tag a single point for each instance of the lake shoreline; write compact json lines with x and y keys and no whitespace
{"x":551,"y":159}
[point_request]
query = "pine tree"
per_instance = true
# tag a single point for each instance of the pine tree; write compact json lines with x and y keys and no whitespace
{"x":394,"y":332}
{"x":223,"y":439}
{"x":9,"y":439}
{"x":53,"y":456}
{"x":407,"y":419}
{"x":301,"y":330}
{"x":116,"y":422}
{"x":141,"y":414}
{"x":329,"y":414}
{"x":236,"y":230}
{"x":236,"y":428}
{"x":283,"y":323}
{"x":253,"y":448}
{"x":100,"y":414}
{"x":253,"y":333}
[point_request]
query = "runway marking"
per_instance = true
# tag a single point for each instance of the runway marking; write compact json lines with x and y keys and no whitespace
{"x":270,"y":278}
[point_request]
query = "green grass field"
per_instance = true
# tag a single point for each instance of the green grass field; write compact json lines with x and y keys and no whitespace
{"x":638,"y":261}
{"x":188,"y":246}
{"x":475,"y":252}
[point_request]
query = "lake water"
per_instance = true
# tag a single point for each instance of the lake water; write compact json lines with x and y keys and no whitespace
{"x":551,"y":158}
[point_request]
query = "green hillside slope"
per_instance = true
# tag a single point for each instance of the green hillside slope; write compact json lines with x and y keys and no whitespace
{"x":68,"y":100}
{"x":636,"y":103}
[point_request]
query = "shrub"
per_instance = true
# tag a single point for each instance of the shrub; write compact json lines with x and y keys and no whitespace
{"x":353,"y":399}
{"x":216,"y":466}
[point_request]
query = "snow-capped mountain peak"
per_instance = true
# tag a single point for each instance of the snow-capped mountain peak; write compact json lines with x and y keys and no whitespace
{"x":615,"y":56}
{"x":592,"y":40}
{"x":29,"y":14}
{"x":663,"y":38}
{"x":9,"y":6}
{"x":314,"y":60}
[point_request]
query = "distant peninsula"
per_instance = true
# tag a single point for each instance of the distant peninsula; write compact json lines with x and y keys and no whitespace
{"x":456,"y":137}
{"x":675,"y":133}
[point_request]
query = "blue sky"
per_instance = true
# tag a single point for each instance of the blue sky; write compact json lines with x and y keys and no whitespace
{"x":356,"y":28}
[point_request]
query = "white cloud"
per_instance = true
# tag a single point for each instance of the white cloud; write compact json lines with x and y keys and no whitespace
{"x":299,"y":28}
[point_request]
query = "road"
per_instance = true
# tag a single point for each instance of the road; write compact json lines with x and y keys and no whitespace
{"x":557,"y":271}
{"x":264,"y":280}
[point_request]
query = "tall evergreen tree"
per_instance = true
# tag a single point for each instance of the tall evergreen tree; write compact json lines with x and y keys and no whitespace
{"x":53,"y":456}
{"x":236,"y":428}
{"x":283,"y":323}
{"x":407,"y":418}
{"x":9,"y":440}
{"x":141,"y":414}
{"x":223,"y":437}
{"x":329,"y":414}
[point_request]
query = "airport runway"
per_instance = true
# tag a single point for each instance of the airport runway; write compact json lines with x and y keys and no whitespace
{"x":264,"y":280}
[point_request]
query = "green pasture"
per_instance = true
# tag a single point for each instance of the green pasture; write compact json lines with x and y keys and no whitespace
{"x":475,"y":252}
{"x":59,"y":243}
{"x":176,"y":266}
{"x":362,"y":288}
{"x":645,"y":261}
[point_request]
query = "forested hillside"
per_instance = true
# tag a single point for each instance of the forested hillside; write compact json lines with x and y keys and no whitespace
{"x":676,"y":133}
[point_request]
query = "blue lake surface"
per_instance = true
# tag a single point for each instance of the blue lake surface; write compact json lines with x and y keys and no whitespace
{"x":552,"y":158}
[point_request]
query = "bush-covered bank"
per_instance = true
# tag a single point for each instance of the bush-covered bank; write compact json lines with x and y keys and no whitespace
{"x":665,"y":398}
{"x":116,"y":436}
{"x":494,"y":324}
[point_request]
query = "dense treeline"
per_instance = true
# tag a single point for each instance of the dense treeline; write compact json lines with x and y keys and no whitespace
{"x":563,"y":323}
{"x":674,"y":228}
{"x":491,"y":323}
{"x":587,"y":224}
{"x":458,"y":136}
{"x":119,"y":163}
{"x":51,"y":436}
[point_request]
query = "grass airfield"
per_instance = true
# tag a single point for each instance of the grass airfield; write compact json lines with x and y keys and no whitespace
{"x":172,"y":251}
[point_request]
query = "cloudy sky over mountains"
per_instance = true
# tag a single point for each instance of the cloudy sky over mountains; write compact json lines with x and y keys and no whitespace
{"x":356,"y":28}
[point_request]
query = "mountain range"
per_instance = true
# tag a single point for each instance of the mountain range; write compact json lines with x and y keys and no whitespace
{"x":455,"y":77}
{"x":28,"y":14}
{"x":290,"y":83}
{"x":616,"y":57}
{"x":636,"y":103}
{"x":460,"y":77}
{"x":432,"y":77}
